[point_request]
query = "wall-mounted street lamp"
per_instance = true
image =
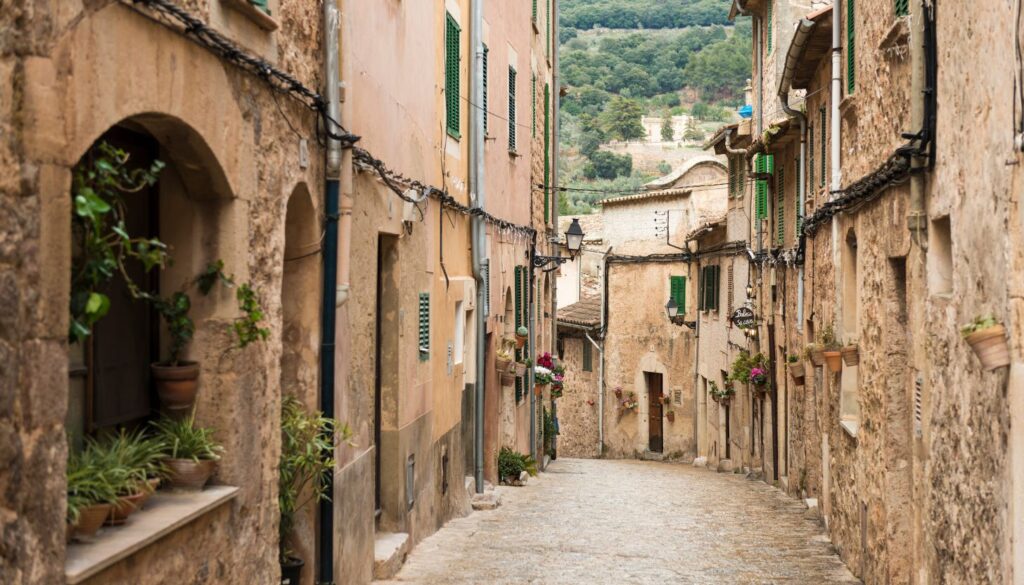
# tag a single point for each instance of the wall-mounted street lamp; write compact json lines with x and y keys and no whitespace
{"x":573,"y":241}
{"x":672,"y":310}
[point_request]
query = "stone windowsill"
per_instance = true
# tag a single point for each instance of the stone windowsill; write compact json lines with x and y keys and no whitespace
{"x":260,"y":18}
{"x":162,"y":514}
{"x":897,"y":37}
{"x":851,"y":426}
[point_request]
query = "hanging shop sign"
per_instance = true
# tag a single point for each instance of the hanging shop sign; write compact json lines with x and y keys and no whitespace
{"x":744,"y":318}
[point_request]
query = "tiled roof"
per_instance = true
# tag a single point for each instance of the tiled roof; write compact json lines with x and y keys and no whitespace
{"x":646,"y":195}
{"x":661,"y":183}
{"x":585,"y":313}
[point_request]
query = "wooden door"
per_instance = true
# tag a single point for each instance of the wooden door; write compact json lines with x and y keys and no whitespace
{"x":654,"y":410}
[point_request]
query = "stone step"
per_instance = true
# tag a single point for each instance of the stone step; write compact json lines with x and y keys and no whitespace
{"x":389,"y":552}
{"x":488,"y":500}
{"x":652,"y":456}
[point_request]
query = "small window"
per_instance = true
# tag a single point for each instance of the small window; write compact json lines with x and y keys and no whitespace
{"x":459,"y":346}
{"x":902,"y":8}
{"x":534,"y":13}
{"x":424,"y":326}
{"x":452,"y":84}
{"x":710,"y":288}
{"x":263,"y":5}
{"x":511,"y":109}
{"x":810,"y":160}
{"x":940,"y":257}
{"x":588,"y":356}
{"x":821,"y":134}
{"x":729,"y":291}
{"x":780,"y":206}
{"x":770,"y":23}
{"x":765,"y":164}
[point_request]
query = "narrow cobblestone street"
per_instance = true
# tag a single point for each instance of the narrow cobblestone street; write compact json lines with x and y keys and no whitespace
{"x":603,"y":521}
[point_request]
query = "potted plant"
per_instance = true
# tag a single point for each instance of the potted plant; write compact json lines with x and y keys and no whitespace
{"x":987,"y":337}
{"x":520,"y":367}
{"x":671,"y":416}
{"x":630,"y":402}
{"x":851,"y":354}
{"x":713,"y":390}
{"x":191,"y":452}
{"x":759,"y":378}
{"x":503,"y":357}
{"x":618,"y":392}
{"x":831,"y":350}
{"x":303,"y":473}
{"x":723,"y":395}
{"x":665,"y":399}
{"x":136,"y":463}
{"x":815,"y":353}
{"x":91,"y":493}
{"x":522,"y":334}
{"x":796,"y":368}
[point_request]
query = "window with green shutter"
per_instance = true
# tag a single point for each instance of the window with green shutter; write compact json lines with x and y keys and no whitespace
{"x":547,"y":153}
{"x":796,"y":200}
{"x":770,"y":24}
{"x":821,"y":134}
{"x":780,"y":204}
{"x":263,"y":5}
{"x":902,"y":8}
{"x":588,"y":356}
{"x":732,"y":176}
{"x":765,"y":164}
{"x":547,"y":29}
{"x":487,"y":113}
{"x":451,"y":75}
{"x":677,"y":290}
{"x":810,"y":158}
{"x":741,"y":177}
{"x":851,"y":71}
{"x":709,"y":288}
{"x":521,"y":291}
{"x":512,"y":109}
{"x":534,"y":13}
{"x":424,"y":326}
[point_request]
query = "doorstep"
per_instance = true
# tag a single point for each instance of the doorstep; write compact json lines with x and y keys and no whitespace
{"x":389,"y":552}
{"x":163,"y":513}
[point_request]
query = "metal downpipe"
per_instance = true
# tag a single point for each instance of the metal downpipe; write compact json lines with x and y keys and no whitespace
{"x":479,"y":235}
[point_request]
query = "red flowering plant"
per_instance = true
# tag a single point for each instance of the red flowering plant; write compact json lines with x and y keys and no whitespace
{"x":545,"y":360}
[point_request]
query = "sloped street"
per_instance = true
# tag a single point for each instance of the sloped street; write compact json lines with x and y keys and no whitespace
{"x":604,"y":521}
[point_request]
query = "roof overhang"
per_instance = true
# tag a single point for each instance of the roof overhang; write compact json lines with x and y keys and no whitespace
{"x":812,"y":42}
{"x":731,"y":137}
{"x":778,"y":134}
{"x":739,"y":7}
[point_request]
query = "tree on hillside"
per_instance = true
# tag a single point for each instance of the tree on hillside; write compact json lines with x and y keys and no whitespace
{"x":693,"y":131}
{"x":621,"y":119}
{"x":608,"y":165}
{"x":667,"y":133}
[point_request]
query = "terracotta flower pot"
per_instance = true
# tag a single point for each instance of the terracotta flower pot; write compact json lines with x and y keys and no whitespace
{"x":671,"y":416}
{"x":91,"y":518}
{"x":507,"y":379}
{"x":834,"y":359}
{"x":126,"y":506}
{"x":176,"y":385}
{"x":186,"y":474}
{"x":851,"y":355}
{"x":990,"y":346}
{"x":796,"y":370}
{"x":520,"y":341}
{"x":520,"y":369}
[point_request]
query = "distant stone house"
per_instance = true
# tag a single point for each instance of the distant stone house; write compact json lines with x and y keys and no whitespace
{"x":646,"y":363}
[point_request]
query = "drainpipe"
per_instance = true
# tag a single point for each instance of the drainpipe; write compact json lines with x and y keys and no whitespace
{"x":478,"y":233}
{"x":837,"y":176}
{"x":604,"y":336}
{"x":803,"y":29}
{"x":330,"y":294}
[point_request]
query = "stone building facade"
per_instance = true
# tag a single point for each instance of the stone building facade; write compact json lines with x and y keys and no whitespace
{"x":902,"y":234}
{"x":244,"y":183}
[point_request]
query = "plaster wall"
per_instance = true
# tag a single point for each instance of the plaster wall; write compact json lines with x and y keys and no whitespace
{"x":578,"y":409}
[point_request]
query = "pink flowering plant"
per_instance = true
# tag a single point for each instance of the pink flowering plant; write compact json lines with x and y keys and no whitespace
{"x":758,"y":376}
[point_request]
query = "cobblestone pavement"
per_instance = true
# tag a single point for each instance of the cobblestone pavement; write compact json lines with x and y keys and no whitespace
{"x":618,"y":522}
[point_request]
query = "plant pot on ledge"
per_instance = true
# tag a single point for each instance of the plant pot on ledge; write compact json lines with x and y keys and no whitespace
{"x":177,"y":385}
{"x":796,"y":371}
{"x":818,"y":356}
{"x":990,"y":346}
{"x":189,"y":475}
{"x":503,"y":365}
{"x":507,"y":379}
{"x":851,"y":355}
{"x":834,"y":359}
{"x":291,"y":571}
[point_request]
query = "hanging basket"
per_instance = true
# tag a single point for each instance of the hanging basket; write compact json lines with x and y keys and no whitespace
{"x":990,"y":346}
{"x":818,"y":357}
{"x":671,"y":416}
{"x":834,"y":359}
{"x":796,"y":370}
{"x":502,"y":365}
{"x":507,"y":379}
{"x":520,"y":341}
{"x":520,"y":369}
{"x":851,"y":355}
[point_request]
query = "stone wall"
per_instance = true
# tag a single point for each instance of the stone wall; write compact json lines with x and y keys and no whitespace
{"x":578,"y":409}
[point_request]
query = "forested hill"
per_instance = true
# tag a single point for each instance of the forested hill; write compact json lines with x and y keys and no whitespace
{"x":587,"y":14}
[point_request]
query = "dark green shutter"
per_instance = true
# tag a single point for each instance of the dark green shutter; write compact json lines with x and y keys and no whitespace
{"x":487,"y":113}
{"x":741,"y":177}
{"x":547,"y":29}
{"x":810,"y":160}
{"x":732,"y":176}
{"x":851,"y":73}
{"x":588,"y":356}
{"x":780,"y":204}
{"x":770,"y":24}
{"x":824,"y":146}
{"x":902,"y":8}
{"x":424,"y":326}
{"x":677,"y":288}
{"x":765,"y":164}
{"x":519,"y":286}
{"x":451,"y":75}
{"x":547,"y":153}
{"x":261,"y":4}
{"x":797,"y":206}
{"x":534,"y":14}
{"x":511,"y":109}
